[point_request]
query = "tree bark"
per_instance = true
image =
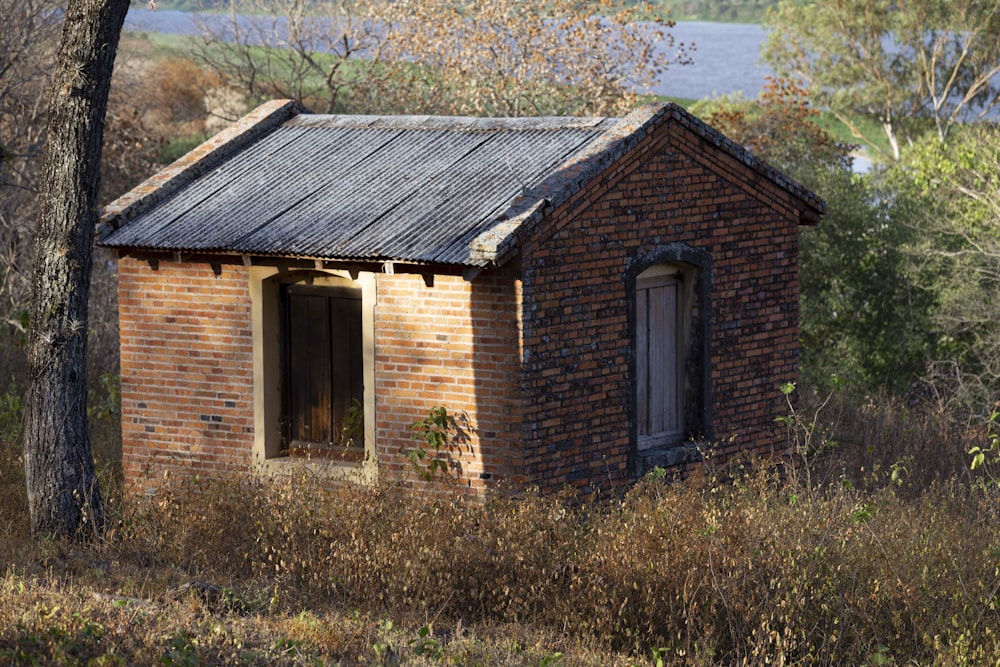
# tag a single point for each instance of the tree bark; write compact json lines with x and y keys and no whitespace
{"x":63,"y":494}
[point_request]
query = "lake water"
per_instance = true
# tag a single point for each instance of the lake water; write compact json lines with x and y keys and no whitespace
{"x":725,"y":54}
{"x":726,"y":60}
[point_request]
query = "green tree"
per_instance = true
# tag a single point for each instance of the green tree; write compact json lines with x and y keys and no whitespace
{"x":865,"y":312}
{"x":910,"y":65}
{"x":863,"y":316}
{"x":957,"y":256}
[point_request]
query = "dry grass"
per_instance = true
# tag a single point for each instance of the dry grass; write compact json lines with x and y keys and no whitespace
{"x":854,"y":569}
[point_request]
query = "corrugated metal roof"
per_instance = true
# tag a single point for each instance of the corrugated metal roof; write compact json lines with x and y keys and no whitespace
{"x":413,"y":189}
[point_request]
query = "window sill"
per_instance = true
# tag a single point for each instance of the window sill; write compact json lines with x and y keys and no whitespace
{"x":363,"y":471}
{"x":660,"y":441}
{"x":666,"y":455}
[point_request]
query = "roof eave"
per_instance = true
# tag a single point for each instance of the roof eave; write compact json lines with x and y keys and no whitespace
{"x":371,"y":263}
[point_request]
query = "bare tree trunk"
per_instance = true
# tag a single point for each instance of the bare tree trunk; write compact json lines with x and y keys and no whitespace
{"x":63,"y":494}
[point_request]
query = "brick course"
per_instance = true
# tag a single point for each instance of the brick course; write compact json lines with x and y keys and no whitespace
{"x":186,"y":369}
{"x":454,"y":344}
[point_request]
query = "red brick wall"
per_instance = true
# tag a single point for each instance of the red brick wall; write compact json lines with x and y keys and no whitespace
{"x":186,"y":369}
{"x":426,"y":341}
{"x":673,"y":189}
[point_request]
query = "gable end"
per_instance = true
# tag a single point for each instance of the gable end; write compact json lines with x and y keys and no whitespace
{"x":498,"y":243}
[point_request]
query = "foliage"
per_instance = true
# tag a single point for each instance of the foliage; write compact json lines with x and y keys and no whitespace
{"x":739,"y":11}
{"x":502,"y":57}
{"x":988,"y":456}
{"x":906,"y":64}
{"x":956,"y":254}
{"x":105,"y":402}
{"x":352,"y":430}
{"x":440,"y":432}
{"x":806,"y":437}
{"x":760,"y":568}
{"x":312,"y":51}
{"x":705,"y":10}
{"x":519,"y":58}
{"x":897,"y":281}
{"x":780,"y":126}
{"x":864,"y":313}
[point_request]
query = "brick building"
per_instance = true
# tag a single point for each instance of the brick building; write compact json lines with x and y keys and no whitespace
{"x":594,"y":296}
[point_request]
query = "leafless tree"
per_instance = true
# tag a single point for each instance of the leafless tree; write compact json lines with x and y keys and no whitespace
{"x":522,"y":58}
{"x":27,"y":48}
{"x":495,"y":57}
{"x":315,"y":51}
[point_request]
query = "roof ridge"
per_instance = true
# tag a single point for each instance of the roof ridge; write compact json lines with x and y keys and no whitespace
{"x":499,"y":242}
{"x":562,"y":162}
{"x":450,"y":123}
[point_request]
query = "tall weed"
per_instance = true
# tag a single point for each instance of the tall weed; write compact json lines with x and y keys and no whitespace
{"x":752,"y":571}
{"x":764,"y":568}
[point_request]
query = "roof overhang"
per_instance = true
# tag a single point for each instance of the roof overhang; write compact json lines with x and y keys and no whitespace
{"x":564,"y":169}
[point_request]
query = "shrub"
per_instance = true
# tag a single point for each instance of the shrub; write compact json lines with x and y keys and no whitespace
{"x":750,"y":571}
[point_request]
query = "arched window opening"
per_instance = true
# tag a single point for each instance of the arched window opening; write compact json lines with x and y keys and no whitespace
{"x":670,"y":357}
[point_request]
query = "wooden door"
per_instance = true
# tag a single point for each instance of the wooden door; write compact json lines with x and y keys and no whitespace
{"x":659,"y":359}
